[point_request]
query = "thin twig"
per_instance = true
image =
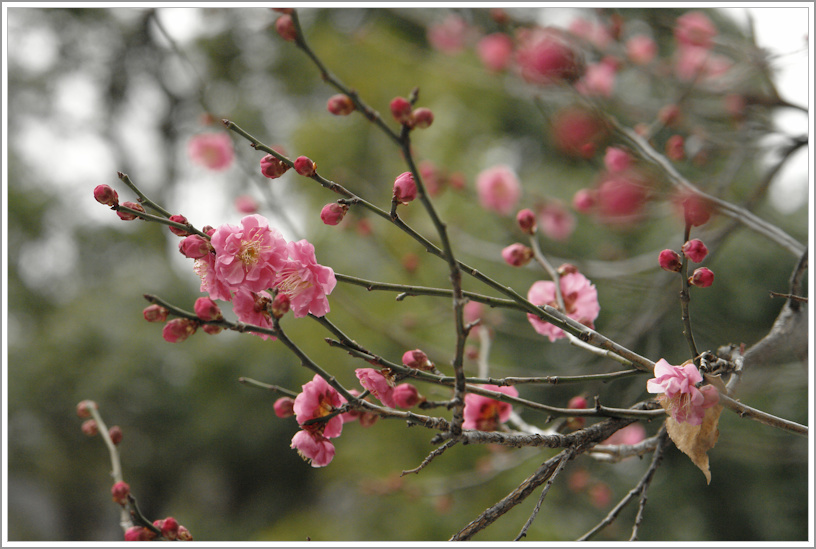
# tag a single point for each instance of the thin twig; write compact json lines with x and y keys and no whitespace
{"x":435,"y":453}
{"x":566,"y":456}
{"x":763,"y":417}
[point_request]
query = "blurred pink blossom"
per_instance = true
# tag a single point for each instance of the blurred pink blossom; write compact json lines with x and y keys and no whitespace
{"x":695,"y":29}
{"x":450,"y":35}
{"x":213,"y":150}
{"x":495,"y":51}
{"x":499,"y":189}
{"x":631,"y":434}
{"x":545,"y":56}
{"x":555,"y":221}
{"x":641,"y":49}
{"x":599,"y":80}
{"x":246,"y":204}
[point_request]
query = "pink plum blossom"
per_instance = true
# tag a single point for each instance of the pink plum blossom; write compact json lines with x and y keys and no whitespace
{"x":212,"y":150}
{"x":555,"y":221}
{"x":641,"y":49}
{"x":313,"y":447}
{"x":599,"y":80}
{"x":695,"y":29}
{"x":253,"y":308}
{"x":248,"y":256}
{"x":316,"y":400}
{"x":246,"y":204}
{"x":580,"y":300}
{"x":545,"y":56}
{"x":406,"y":396}
{"x":304,"y":281}
{"x":377,"y":384}
{"x":204,"y":267}
{"x":449,"y":36}
{"x":621,"y":197}
{"x":499,"y":189}
{"x":616,"y":159}
{"x":484,"y":413}
{"x":577,"y":132}
{"x":679,"y":393}
{"x":495,"y":51}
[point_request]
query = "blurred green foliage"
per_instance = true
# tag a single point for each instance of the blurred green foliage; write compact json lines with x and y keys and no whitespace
{"x":208,"y":450}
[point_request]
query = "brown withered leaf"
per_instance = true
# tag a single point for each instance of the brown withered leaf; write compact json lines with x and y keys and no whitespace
{"x":696,"y":440}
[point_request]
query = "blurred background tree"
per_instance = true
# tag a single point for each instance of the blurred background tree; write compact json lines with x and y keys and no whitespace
{"x":93,"y":91}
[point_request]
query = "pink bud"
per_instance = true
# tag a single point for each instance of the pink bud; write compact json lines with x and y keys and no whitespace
{"x":701,"y":277}
{"x":418,"y":360}
{"x":422,"y":118}
{"x":584,"y":200}
{"x":272,"y":167}
{"x":406,"y":396}
{"x":340,"y":104}
{"x":184,"y":534}
{"x":695,"y":250}
{"x":284,"y":407}
{"x":304,"y":166}
{"x":670,"y":260}
{"x":115,"y":434}
{"x":246,"y":204}
{"x":641,"y":49}
{"x":206,"y":309}
{"x":212,"y":329}
{"x":139,"y":533}
{"x":179,"y":329}
{"x":517,"y":255}
{"x":127,"y":216}
{"x":694,"y":209}
{"x":405,"y":189}
{"x":616,"y":160}
{"x":495,"y":51}
{"x":84,"y":408}
{"x":178,"y":219}
{"x":333,"y":213}
{"x":120,"y":492}
{"x":104,"y":194}
{"x":286,"y":28}
{"x":194,"y":246}
{"x":578,"y":132}
{"x":526,"y":221}
{"x":169,"y":528}
{"x":577,"y":403}
{"x":90,"y":428}
{"x":675,"y":148}
{"x":566,"y":268}
{"x":401,"y":110}
{"x":280,"y":305}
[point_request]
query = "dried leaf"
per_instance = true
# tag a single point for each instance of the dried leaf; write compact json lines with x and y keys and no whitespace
{"x":696,"y":440}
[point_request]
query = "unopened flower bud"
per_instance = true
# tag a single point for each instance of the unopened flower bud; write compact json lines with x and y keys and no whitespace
{"x":206,"y":309}
{"x":155,"y":313}
{"x":517,"y":255}
{"x":90,"y":428}
{"x":406,"y":396}
{"x":405,"y":189}
{"x":701,"y":277}
{"x":280,"y":305}
{"x":115,"y":434}
{"x":367,"y":419}
{"x":584,"y":200}
{"x":285,"y":27}
{"x":84,"y":408}
{"x":105,"y":194}
{"x":178,"y":218}
{"x":284,"y":407}
{"x":127,"y":216}
{"x":694,"y":209}
{"x":139,"y":533}
{"x":695,"y":250}
{"x":120,"y":492}
{"x":526,"y":221}
{"x":179,"y":329}
{"x":401,"y":110}
{"x":340,"y":104}
{"x":422,"y":118}
{"x":304,"y":166}
{"x":272,"y":167}
{"x":566,"y":268}
{"x":184,"y":534}
{"x":194,"y":246}
{"x":212,"y":329}
{"x":577,"y":403}
{"x":418,"y":360}
{"x":333,"y":213}
{"x":676,"y":148}
{"x":169,"y":528}
{"x":670,"y":260}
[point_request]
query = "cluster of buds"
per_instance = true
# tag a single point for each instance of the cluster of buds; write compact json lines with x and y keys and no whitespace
{"x":166,"y":529}
{"x":695,"y":251}
{"x":90,"y":427}
{"x":404,"y":113}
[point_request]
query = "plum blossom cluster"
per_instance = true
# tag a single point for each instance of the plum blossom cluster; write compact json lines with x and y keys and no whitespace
{"x":485,"y":413}
{"x":679,"y":391}
{"x":317,"y":409}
